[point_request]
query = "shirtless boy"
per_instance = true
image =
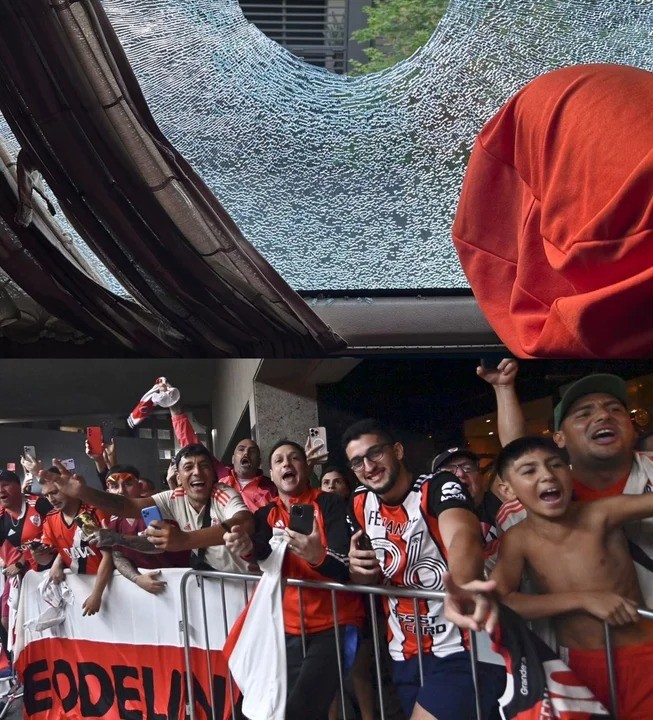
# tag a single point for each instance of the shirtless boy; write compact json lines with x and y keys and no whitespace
{"x":578,"y":558}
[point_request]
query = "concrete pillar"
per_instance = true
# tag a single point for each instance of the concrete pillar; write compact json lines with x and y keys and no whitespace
{"x":283,"y":413}
{"x":268,"y":400}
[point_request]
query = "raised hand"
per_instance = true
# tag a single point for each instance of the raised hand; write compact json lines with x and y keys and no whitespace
{"x":315,"y":454}
{"x":505,"y":373}
{"x":72,"y":485}
{"x":31,"y":465}
{"x":171,"y":476}
{"x":110,"y":454}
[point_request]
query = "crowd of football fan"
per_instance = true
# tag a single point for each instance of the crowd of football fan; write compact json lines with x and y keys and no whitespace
{"x":560,"y":509}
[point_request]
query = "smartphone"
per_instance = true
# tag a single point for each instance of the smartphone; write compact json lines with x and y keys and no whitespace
{"x":364,"y":542}
{"x":490,"y":363}
{"x":107,"y":431}
{"x":94,"y":437}
{"x":29,"y":450}
{"x":301,"y":518}
{"x":32,"y":545}
{"x":314,"y":435}
{"x":11,"y":466}
{"x":68,"y":464}
{"x":151,"y":513}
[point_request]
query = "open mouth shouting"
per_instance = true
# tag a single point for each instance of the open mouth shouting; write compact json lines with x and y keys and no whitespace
{"x":289,"y":478}
{"x":604,"y":435}
{"x":551,"y":495}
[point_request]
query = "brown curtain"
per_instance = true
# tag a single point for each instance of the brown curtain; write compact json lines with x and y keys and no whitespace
{"x":71,"y":99}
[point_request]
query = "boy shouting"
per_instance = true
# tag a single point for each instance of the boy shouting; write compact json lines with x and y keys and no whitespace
{"x":577,"y":556}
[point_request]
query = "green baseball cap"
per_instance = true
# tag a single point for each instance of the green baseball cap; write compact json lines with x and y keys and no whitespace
{"x":599,"y":383}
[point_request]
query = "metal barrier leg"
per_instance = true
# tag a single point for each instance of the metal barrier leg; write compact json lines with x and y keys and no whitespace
{"x":473,"y":652}
{"x":301,"y":621}
{"x":230,"y":680}
{"x":207,"y":645}
{"x":336,"y":628}
{"x":418,"y":639}
{"x":185,"y":630}
{"x":612,"y":676}
{"x":377,"y":653}
{"x":15,"y":694}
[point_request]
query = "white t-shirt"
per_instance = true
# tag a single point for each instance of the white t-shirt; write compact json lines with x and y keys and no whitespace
{"x":225,"y":503}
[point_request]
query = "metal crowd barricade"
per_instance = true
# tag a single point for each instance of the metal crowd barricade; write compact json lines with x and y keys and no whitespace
{"x":332,"y":587}
{"x":371,"y":592}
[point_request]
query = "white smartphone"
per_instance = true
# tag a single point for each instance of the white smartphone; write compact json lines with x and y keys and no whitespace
{"x":68,"y":464}
{"x":315,"y":434}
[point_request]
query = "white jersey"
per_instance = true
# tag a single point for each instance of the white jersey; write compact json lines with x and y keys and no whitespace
{"x":225,"y":503}
{"x":640,"y":532}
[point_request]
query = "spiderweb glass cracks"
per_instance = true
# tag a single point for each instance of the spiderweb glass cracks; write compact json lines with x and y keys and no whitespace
{"x":351,"y":183}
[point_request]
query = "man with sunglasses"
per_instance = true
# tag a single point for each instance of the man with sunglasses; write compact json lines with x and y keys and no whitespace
{"x":420,"y":528}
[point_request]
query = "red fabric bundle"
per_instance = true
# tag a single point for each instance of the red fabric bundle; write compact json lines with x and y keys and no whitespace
{"x":554,"y":228}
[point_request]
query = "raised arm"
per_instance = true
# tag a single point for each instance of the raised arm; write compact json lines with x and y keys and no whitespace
{"x":461,"y":535}
{"x":186,"y":435}
{"x":75,"y":486}
{"x":511,"y":423}
{"x":106,"y":538}
{"x":620,"y":509}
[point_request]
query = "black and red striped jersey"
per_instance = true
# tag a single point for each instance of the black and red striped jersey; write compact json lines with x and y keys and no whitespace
{"x":27,"y":526}
{"x":407,"y":541}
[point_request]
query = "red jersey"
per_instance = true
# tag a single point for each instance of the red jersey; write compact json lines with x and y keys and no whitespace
{"x":584,"y":493}
{"x":71,"y":543}
{"x":407,"y":541}
{"x":257,"y":493}
{"x":331,"y":514}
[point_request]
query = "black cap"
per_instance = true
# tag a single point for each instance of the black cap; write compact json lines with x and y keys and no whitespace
{"x":443,"y":457}
{"x":9,"y":475}
{"x":598,"y":383}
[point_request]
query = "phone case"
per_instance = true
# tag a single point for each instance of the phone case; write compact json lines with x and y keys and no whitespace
{"x":364,"y":542}
{"x":301,"y":519}
{"x":151,"y":513}
{"x":318,"y":433}
{"x":94,"y":437}
{"x":29,"y":450}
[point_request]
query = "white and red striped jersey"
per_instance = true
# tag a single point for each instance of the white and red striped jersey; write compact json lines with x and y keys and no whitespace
{"x":407,"y":541}
{"x":225,"y":503}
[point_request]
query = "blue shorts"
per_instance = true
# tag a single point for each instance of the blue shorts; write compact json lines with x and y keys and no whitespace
{"x":448,"y":690}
